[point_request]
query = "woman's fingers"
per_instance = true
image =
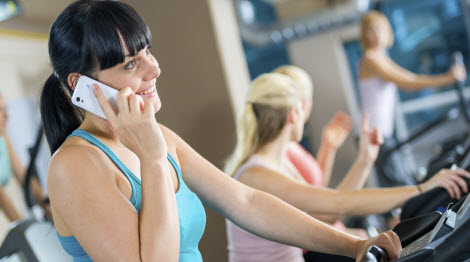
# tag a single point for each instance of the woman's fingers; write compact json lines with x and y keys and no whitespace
{"x":455,"y":186}
{"x":148,"y":110}
{"x":453,"y":181}
{"x":106,"y":107}
{"x":365,"y":123}
{"x":123,"y":100}
{"x":462,"y":172}
{"x":460,"y":182}
{"x":396,"y":241}
{"x":388,"y":241}
{"x":448,"y":188}
{"x":135,"y":104}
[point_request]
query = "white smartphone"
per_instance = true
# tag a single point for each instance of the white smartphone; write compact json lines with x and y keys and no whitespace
{"x":84,"y":97}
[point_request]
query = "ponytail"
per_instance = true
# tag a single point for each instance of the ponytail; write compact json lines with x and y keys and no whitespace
{"x":59,"y":116}
{"x":268,"y":102}
{"x":247,"y":140}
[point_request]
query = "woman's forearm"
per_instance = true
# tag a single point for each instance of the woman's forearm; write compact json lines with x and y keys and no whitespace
{"x":418,"y":82}
{"x":6,"y":204}
{"x":375,"y":201}
{"x":17,"y":167}
{"x":270,"y":218}
{"x":329,"y":219}
{"x":326,"y":158}
{"x":158,"y":220}
{"x":356,"y":176}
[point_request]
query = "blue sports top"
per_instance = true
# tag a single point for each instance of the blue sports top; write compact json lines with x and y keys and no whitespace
{"x":5,"y":167}
{"x":191,"y":214}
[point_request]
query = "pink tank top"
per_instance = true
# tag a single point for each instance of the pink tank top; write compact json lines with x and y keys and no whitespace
{"x":246,"y":247}
{"x":305,"y":163}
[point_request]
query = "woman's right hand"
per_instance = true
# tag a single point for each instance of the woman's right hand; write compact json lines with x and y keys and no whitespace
{"x":450,"y":180}
{"x":458,"y":73}
{"x":388,"y":241}
{"x":336,"y":131}
{"x":370,"y":141}
{"x":134,"y":124}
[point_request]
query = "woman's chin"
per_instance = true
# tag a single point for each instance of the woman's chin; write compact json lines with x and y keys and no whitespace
{"x":157,"y":105}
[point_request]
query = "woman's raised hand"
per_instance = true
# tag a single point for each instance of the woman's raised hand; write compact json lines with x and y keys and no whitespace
{"x":337,"y":130}
{"x":458,"y":72}
{"x":134,"y":124}
{"x":451,"y":180}
{"x":370,"y":141}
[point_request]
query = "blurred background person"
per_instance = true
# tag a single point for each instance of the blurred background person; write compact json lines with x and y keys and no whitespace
{"x":379,"y":78}
{"x":11,"y":202}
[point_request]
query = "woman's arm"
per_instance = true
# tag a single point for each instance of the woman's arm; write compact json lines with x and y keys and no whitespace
{"x":261,"y":213}
{"x":369,"y":145}
{"x":86,"y":194}
{"x":19,"y":172}
{"x":17,"y":167}
{"x":7,"y":206}
{"x":88,"y":199}
{"x":387,"y":69}
{"x":326,"y":201}
{"x":333,"y":136}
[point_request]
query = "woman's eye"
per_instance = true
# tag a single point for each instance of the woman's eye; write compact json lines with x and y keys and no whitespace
{"x":131,"y":64}
{"x":148,"y":51}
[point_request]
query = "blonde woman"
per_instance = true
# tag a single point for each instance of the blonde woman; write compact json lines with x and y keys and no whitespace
{"x":333,"y":136}
{"x":379,"y":78}
{"x":273,"y":119}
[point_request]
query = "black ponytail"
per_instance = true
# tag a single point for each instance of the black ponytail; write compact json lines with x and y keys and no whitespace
{"x":59,"y":116}
{"x":84,"y":38}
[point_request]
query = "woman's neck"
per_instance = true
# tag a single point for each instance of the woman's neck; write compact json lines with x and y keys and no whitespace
{"x":274,"y":152}
{"x":98,"y":126}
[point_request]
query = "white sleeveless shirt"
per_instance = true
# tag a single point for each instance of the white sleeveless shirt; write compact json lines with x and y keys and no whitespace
{"x":378,"y":98}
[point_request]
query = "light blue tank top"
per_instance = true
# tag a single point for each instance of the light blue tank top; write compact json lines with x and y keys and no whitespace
{"x":191,"y":214}
{"x":5,"y":166}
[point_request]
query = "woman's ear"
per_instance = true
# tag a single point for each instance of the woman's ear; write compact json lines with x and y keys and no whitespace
{"x":292,"y":115}
{"x":72,"y":79}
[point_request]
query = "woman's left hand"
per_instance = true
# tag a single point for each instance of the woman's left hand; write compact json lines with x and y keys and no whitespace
{"x":370,"y":141}
{"x":336,"y":131}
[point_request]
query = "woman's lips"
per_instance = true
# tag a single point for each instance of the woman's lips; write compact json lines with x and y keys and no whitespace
{"x":148,"y":92}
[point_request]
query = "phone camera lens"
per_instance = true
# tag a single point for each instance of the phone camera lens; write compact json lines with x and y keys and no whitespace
{"x":78,"y":99}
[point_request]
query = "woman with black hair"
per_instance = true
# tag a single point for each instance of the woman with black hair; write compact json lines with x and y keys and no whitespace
{"x":129,"y":189}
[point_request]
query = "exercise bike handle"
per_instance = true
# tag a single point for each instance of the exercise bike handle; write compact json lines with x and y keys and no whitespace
{"x":457,"y":59}
{"x":375,"y":254}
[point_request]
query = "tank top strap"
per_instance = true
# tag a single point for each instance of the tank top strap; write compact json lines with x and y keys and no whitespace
{"x":252,"y":161}
{"x":133,"y":180}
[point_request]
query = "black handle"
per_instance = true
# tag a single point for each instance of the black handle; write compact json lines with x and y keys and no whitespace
{"x":375,"y":254}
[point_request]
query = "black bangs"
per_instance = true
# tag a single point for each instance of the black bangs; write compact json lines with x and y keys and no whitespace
{"x":103,"y":44}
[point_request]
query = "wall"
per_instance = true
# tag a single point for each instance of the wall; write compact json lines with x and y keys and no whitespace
{"x":323,"y":57}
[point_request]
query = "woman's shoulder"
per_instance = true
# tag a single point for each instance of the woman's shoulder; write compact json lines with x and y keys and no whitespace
{"x":171,"y":138}
{"x":74,"y":161}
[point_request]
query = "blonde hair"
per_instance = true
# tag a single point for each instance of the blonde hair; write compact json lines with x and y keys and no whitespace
{"x":370,"y":18}
{"x":301,"y":78}
{"x":268,"y":102}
